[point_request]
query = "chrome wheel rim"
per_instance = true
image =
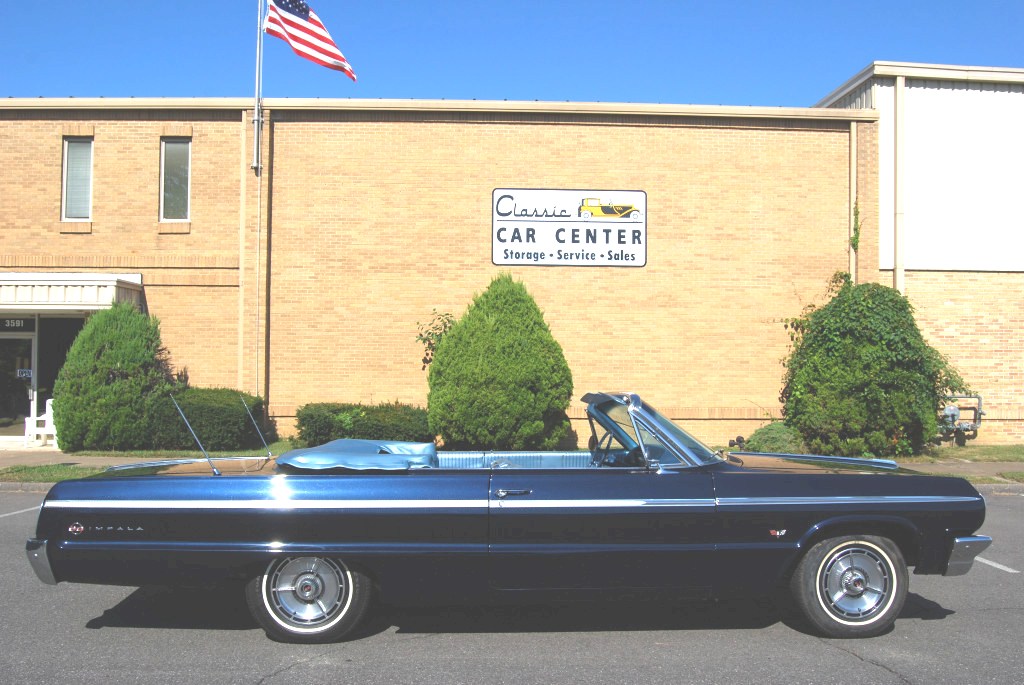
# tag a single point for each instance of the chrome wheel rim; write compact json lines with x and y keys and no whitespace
{"x":855,"y":583}
{"x":307,"y":594}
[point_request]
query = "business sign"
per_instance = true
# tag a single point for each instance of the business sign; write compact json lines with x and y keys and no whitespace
{"x":536,"y":227}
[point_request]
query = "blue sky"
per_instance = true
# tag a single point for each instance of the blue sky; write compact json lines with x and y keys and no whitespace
{"x":728,"y":53}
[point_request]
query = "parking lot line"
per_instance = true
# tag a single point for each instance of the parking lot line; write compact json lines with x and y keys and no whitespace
{"x":998,"y":566}
{"x":21,"y":511}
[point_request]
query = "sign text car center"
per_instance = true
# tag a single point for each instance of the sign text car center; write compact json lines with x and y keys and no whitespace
{"x":537,"y":227}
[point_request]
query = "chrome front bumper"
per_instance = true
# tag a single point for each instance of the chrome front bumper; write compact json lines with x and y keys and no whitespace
{"x":964,"y":551}
{"x":36,"y":551}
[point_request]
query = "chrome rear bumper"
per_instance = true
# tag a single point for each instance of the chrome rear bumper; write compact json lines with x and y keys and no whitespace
{"x":964,"y":551}
{"x":36,"y":551}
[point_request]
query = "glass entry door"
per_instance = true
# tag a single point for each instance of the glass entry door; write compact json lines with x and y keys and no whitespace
{"x":15,"y":384}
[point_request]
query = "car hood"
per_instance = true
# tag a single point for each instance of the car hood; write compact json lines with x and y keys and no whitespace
{"x":809,"y":463}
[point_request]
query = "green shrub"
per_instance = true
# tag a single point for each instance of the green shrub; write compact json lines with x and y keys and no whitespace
{"x":776,"y":437}
{"x":861,"y":381}
{"x":322,"y":422}
{"x":116,"y":363}
{"x":499,"y":379}
{"x":217,"y":416}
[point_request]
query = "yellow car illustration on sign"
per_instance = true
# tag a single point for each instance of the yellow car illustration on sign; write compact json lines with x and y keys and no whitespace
{"x":592,"y":206}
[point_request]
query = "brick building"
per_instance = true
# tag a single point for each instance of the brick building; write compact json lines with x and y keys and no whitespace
{"x":306,"y":282}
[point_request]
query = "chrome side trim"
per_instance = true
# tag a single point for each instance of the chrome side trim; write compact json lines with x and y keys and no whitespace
{"x":868,"y":499}
{"x":597,"y":503}
{"x":36,"y":551}
{"x":965,"y":549}
{"x":269,"y":504}
{"x":376,"y":504}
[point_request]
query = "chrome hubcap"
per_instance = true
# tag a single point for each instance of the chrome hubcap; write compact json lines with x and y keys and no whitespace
{"x":855,"y":583}
{"x":307,"y":592}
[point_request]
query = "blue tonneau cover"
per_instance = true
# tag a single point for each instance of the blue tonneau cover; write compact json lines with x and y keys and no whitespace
{"x":362,"y":455}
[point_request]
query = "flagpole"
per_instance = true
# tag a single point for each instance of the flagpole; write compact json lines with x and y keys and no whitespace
{"x":257,"y":110}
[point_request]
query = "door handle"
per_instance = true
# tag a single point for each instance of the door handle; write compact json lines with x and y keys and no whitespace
{"x":502,"y":493}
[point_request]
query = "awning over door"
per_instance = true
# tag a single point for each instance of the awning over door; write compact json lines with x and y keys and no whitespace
{"x":67,"y":292}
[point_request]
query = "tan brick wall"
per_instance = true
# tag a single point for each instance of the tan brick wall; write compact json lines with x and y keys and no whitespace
{"x":976,"y":319}
{"x":190,"y":271}
{"x":377,"y":222}
{"x":373,"y":219}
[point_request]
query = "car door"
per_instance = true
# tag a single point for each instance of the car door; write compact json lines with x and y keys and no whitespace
{"x":601,"y":528}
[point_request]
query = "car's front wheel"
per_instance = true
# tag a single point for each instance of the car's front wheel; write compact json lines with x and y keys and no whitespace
{"x":851,"y":586}
{"x":308,"y":599}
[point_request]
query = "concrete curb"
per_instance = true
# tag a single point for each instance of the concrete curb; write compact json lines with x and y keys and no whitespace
{"x":24,"y":487}
{"x":1000,"y":488}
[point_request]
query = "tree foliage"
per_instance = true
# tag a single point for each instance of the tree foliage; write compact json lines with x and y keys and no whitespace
{"x":499,"y":379}
{"x":861,"y":380}
{"x":115,"y":365}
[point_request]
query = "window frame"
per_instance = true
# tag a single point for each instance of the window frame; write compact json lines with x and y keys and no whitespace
{"x":64,"y":179}
{"x":188,"y":185}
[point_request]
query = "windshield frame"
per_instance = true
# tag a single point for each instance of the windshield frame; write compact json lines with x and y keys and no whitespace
{"x":690,"y":451}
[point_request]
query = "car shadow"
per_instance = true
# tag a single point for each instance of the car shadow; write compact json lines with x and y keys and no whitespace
{"x":915,"y":607}
{"x":224,"y":608}
{"x":216,"y":608}
{"x":578,"y":617}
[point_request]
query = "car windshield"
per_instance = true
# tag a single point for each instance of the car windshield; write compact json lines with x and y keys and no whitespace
{"x":701,"y":452}
{"x":662,"y":439}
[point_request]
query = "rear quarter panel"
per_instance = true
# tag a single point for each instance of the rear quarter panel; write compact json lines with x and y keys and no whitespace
{"x":405,"y":530}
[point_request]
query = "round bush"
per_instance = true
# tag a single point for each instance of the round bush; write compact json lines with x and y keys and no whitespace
{"x":861,"y":380}
{"x":776,"y":437}
{"x":499,"y":379}
{"x":114,"y":366}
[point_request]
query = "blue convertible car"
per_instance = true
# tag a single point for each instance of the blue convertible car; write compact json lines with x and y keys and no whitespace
{"x":315,"y":534}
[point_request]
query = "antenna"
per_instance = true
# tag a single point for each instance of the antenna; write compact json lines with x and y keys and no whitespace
{"x":189,"y":426}
{"x":256,"y":426}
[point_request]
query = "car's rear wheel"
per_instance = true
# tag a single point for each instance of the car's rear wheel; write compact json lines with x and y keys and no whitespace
{"x":634,"y":215}
{"x":851,"y":586}
{"x":308,"y":599}
{"x":585,"y":215}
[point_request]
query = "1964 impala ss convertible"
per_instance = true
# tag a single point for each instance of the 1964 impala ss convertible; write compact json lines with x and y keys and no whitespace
{"x":316,"y":533}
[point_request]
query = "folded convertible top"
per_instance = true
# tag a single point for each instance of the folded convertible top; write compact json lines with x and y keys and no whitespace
{"x":362,"y":455}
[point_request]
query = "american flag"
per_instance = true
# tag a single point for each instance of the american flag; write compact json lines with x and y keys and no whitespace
{"x":295,"y":22}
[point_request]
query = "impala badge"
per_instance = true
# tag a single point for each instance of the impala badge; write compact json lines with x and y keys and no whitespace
{"x":777,"y":533}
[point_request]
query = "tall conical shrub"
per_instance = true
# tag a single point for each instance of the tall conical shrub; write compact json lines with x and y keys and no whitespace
{"x":115,"y":365}
{"x":499,"y":379}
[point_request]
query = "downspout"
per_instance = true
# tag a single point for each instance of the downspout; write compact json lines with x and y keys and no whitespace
{"x":898,"y":273}
{"x":853,"y":201}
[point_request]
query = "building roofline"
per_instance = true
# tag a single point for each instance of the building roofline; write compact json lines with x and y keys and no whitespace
{"x":945,"y":72}
{"x":478,"y":106}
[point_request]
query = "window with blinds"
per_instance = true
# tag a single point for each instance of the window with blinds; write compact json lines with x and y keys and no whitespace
{"x":76,"y":204}
{"x":175,"y":159}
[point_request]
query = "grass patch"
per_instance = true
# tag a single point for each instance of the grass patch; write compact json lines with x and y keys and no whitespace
{"x":49,"y":473}
{"x":974,"y":453}
{"x":151,"y":455}
{"x":1017,"y":476}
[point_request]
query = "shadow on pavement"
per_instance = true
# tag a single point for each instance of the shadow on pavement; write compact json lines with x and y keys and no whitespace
{"x":223,"y":608}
